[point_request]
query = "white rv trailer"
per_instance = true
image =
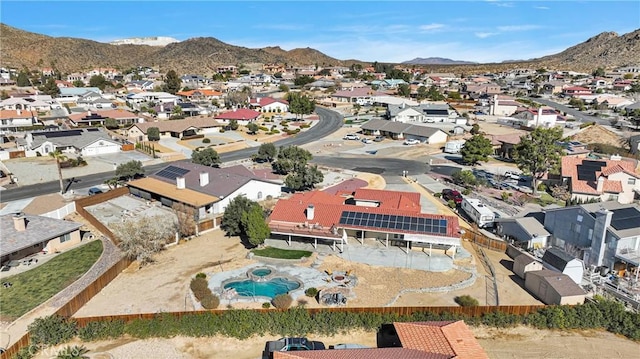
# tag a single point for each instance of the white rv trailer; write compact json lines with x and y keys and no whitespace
{"x":479,"y":213}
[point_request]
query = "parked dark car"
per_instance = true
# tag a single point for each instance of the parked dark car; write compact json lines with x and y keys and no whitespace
{"x":94,"y":190}
{"x":289,"y":345}
{"x":451,"y":194}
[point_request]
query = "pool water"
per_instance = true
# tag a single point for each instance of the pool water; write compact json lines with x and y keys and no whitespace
{"x":261,"y":272}
{"x":270,"y":288}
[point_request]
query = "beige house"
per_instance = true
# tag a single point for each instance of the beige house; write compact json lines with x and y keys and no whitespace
{"x":23,"y":235}
{"x":175,"y":128}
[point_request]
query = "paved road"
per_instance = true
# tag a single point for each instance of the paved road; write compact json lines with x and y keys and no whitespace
{"x":386,"y":167}
{"x":579,"y":115}
{"x":330,"y":121}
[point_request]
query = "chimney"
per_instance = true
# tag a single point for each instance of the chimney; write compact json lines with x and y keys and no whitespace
{"x":599,"y":240}
{"x":204,"y":179}
{"x":258,"y":99}
{"x":310,"y":212}
{"x":600,"y":184}
{"x":180,"y":182}
{"x":19,"y":222}
{"x":19,"y":112}
{"x":539,"y":113}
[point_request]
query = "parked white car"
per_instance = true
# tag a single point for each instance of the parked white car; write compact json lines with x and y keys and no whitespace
{"x":512,"y":175}
{"x":411,"y":141}
{"x":351,"y":136}
{"x":367,"y":141}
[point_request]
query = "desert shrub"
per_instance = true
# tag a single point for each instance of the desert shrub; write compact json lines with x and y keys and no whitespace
{"x":262,"y":128}
{"x":466,"y":191}
{"x":451,"y":203}
{"x":466,"y":301}
{"x":282,"y":301}
{"x":275,"y":131}
{"x":199,"y":287}
{"x":302,"y":302}
{"x":210,"y":301}
{"x":311,"y":292}
{"x":51,"y":330}
{"x":542,"y":187}
{"x":266,"y":305}
{"x":206,"y":140}
{"x":221,"y":130}
{"x":437,"y":195}
{"x":505,"y":196}
{"x":27,"y":352}
{"x":201,"y":275}
{"x":283,"y":123}
{"x":101,"y":330}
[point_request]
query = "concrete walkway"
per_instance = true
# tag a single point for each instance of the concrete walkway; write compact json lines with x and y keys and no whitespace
{"x":172,"y":143}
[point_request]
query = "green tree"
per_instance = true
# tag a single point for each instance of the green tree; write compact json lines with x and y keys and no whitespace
{"x":153,"y":134}
{"x":577,"y":103}
{"x":266,"y":153}
{"x":538,"y":153}
{"x":303,"y":80}
{"x":477,"y":148}
{"x":434,"y":94}
{"x":172,"y":82}
{"x":111,"y":123}
{"x":23,"y":79}
{"x":283,"y":88}
{"x":50,"y":88}
{"x":422,"y":93}
{"x":599,"y":72}
{"x":59,"y":157}
{"x":129,"y":170}
{"x":233,"y":214}
{"x":300,"y":104}
{"x":304,"y":179}
{"x":475,"y":129}
{"x":464,"y":177}
{"x":78,"y":83}
{"x":252,"y":128}
{"x":98,"y":81}
{"x":291,"y":159}
{"x":455,"y":95}
{"x":404,"y":90}
{"x":176,"y":112}
{"x":207,"y":157}
{"x":254,"y":226}
{"x":233,"y":125}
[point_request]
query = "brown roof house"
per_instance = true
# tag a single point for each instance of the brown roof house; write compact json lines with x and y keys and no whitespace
{"x":554,"y":288}
{"x":23,"y":235}
{"x":175,"y":128}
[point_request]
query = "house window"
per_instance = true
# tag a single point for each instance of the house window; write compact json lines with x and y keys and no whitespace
{"x":579,"y":219}
{"x":631,"y":181}
{"x":260,"y":195}
{"x":65,"y":238}
{"x":575,"y":227}
{"x":613,"y":197}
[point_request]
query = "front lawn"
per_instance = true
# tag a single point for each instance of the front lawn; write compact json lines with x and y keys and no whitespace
{"x":31,"y":288}
{"x":272,"y":252}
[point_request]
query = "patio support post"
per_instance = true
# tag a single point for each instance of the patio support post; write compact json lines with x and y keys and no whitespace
{"x":315,"y":243}
{"x":334,"y":245}
{"x":362,"y":238}
{"x":407,"y":247}
{"x":289,"y":241}
{"x":430,"y":247}
{"x":342,"y":246}
{"x":387,"y":244}
{"x":453,"y":256}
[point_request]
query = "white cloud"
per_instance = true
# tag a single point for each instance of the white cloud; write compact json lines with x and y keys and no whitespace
{"x":499,"y":3}
{"x":431,"y":27}
{"x":542,"y":7}
{"x":484,"y":35}
{"x":526,"y":27}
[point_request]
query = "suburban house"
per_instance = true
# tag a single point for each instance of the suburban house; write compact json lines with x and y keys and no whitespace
{"x":242,"y":115}
{"x":431,"y":112}
{"x":399,"y":130}
{"x":75,"y":92}
{"x":81,"y":141}
{"x":175,"y":128}
{"x":404,"y":113}
{"x":200,"y":95}
{"x":554,"y":288}
{"x":412,"y":340}
{"x":525,"y":232}
{"x":208,"y":190}
{"x":194,"y":81}
{"x":475,"y":91}
{"x":268,"y":104}
{"x":144,"y":85}
{"x":542,"y":117}
{"x":91,"y":118}
{"x":563,"y":262}
{"x":601,"y":234}
{"x":30,"y":103}
{"x":362,"y":96}
{"x":14,"y":119}
{"x":363,"y":214}
{"x":576,"y":91}
{"x":504,"y":106}
{"x":23,"y":235}
{"x":156,"y":97}
{"x":614,"y":179}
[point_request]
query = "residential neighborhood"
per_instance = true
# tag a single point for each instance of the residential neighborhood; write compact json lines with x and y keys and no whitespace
{"x":431,"y":207}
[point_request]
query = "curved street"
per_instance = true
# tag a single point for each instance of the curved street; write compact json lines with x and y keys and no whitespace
{"x":330,"y":121}
{"x":578,"y":115}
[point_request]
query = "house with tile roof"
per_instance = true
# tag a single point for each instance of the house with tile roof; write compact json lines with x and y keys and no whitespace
{"x":413,"y":340}
{"x":208,"y":190}
{"x":14,"y":119}
{"x":23,"y":235}
{"x":175,"y":128}
{"x":200,"y":95}
{"x":242,"y":115}
{"x":541,"y":117}
{"x":363,"y":214}
{"x":613,"y":179}
{"x":576,"y":91}
{"x":269,"y":104}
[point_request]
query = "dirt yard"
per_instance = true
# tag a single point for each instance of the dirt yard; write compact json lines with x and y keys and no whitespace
{"x":597,"y":134}
{"x":519,"y":342}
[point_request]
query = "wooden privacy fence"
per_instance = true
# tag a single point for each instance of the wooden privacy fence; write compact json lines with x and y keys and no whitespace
{"x":401,"y":311}
{"x":484,"y":241}
{"x":15,"y":348}
{"x":95,"y":199}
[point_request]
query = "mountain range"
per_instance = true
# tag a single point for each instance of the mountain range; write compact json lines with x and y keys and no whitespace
{"x":436,"y":61}
{"x":203,"y":54}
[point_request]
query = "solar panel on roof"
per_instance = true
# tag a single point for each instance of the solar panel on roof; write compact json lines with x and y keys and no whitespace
{"x":625,"y":218}
{"x":172,"y":172}
{"x":61,"y":133}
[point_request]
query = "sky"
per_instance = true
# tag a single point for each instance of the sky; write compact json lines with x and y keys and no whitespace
{"x":384,"y":31}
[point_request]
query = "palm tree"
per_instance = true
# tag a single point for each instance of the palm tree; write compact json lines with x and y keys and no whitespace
{"x":59,"y":157}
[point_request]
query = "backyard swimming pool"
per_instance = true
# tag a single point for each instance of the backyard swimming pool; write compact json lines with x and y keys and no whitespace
{"x":270,"y":288}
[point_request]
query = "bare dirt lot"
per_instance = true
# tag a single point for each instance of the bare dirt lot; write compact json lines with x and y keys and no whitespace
{"x":519,"y":342}
{"x":597,"y":134}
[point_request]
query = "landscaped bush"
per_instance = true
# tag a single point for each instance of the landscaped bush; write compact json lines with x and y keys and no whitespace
{"x":52,"y":330}
{"x":262,"y":128}
{"x":466,"y":301}
{"x":101,"y":330}
{"x":76,"y":351}
{"x":206,"y":140}
{"x":221,"y":130}
{"x":201,"y":275}
{"x":451,"y":203}
{"x":311,"y":292}
{"x":282,"y":301}
{"x":466,"y":191}
{"x":266,"y":305}
{"x":275,"y":131}
{"x":437,"y":195}
{"x":210,"y":301}
{"x":199,"y":287}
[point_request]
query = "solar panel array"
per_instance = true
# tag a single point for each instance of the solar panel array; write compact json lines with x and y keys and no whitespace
{"x":625,"y":218}
{"x":172,"y":172}
{"x":394,"y":222}
{"x":587,"y":170}
{"x":55,"y":134}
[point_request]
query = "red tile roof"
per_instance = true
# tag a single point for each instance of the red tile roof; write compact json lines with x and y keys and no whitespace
{"x":264,"y":101}
{"x":570,"y":166}
{"x":328,"y":209}
{"x":203,"y":92}
{"x":448,"y":338}
{"x":10,"y":114}
{"x":346,"y":187}
{"x":239,"y":114}
{"x":374,"y":353}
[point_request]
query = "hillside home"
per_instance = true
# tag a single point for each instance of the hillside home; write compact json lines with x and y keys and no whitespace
{"x":362,"y":96}
{"x":503,"y":106}
{"x":576,"y":91}
{"x":29,"y":103}
{"x":208,"y":190}
{"x":365,"y":214}
{"x":155,"y":97}
{"x":93,"y":118}
{"x":194,"y":81}
{"x":613,"y":179}
{"x":201,"y":95}
{"x":143,"y":85}
{"x":24,"y":235}
{"x":542,"y":117}
{"x":75,"y":92}
{"x":601,"y":234}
